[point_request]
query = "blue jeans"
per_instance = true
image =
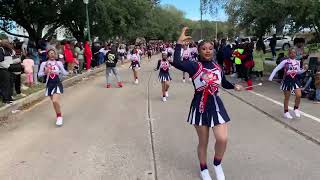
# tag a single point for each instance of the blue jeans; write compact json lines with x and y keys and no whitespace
{"x":100,"y":59}
{"x":318,"y":94}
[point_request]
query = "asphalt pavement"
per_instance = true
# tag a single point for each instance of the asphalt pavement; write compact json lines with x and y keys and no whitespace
{"x":129,"y":133}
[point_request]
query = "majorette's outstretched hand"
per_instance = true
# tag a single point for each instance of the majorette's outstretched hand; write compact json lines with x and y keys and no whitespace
{"x":183,"y":36}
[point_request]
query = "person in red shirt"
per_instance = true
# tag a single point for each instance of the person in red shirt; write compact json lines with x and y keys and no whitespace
{"x":69,"y":58}
{"x":87,"y":54}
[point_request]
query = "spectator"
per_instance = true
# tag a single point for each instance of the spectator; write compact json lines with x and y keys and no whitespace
{"x":299,"y":47}
{"x":24,"y":49}
{"x":6,"y":51}
{"x":69,"y":57}
{"x":259,"y":59}
{"x":34,"y":55}
{"x":317,"y":85}
{"x":227,"y":54}
{"x":28,"y":65}
{"x":16,"y":70}
{"x":78,"y":51}
{"x":111,"y":63}
{"x":87,"y":55}
{"x":42,"y":50}
{"x":273,"y":44}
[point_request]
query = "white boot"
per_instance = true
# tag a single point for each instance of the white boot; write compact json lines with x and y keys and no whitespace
{"x":205,"y":175}
{"x":219,"y":172}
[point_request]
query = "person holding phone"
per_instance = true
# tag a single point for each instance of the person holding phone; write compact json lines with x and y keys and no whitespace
{"x":207,"y":110}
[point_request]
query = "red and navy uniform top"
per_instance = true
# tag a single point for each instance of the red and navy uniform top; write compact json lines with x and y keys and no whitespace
{"x":163,"y":65}
{"x":192,"y":67}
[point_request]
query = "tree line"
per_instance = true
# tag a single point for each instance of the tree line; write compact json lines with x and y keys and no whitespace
{"x":257,"y":17}
{"x":109,"y":19}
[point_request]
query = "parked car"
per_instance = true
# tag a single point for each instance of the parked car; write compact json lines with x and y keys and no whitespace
{"x":283,"y":42}
{"x":247,"y":39}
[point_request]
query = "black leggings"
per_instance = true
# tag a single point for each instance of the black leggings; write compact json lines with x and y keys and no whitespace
{"x":259,"y":73}
{"x":16,"y":82}
{"x":5,"y":85}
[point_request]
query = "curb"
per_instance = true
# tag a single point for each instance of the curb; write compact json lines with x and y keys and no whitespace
{"x":7,"y":110}
{"x":277,"y":119}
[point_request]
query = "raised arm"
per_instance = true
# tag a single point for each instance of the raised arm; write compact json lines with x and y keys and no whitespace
{"x":280,"y":66}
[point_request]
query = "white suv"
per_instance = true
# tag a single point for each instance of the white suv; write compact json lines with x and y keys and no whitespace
{"x":283,"y":42}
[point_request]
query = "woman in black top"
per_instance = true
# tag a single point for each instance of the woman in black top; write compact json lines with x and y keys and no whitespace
{"x":6,"y":51}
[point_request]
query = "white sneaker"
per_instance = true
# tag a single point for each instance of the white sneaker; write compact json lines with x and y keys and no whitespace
{"x":219,"y":172}
{"x":59,"y":121}
{"x":287,"y":115}
{"x":167,"y":94}
{"x":136,"y":81}
{"x":183,"y":80}
{"x":164,"y":99}
{"x":205,"y":175}
{"x":297,"y":113}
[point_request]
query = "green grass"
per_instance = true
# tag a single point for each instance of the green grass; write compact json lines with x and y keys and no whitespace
{"x":268,"y":68}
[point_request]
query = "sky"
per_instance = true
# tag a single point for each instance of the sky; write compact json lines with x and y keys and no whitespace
{"x":192,"y":9}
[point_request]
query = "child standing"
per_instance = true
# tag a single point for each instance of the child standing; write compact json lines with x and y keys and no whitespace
{"x":111,"y":63}
{"x":28,"y":64}
{"x":258,"y":68}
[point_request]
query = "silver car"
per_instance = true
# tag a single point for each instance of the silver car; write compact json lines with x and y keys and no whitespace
{"x":283,"y":42}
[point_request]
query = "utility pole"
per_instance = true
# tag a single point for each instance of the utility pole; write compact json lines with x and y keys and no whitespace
{"x":201,"y":25}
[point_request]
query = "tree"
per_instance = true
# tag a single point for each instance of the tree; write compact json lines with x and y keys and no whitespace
{"x":32,"y":15}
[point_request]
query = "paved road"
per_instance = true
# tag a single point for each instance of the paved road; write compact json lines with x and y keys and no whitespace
{"x":119,"y":134}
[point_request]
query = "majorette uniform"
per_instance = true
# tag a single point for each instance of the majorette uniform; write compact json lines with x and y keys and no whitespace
{"x":164,"y":66}
{"x":135,"y":61}
{"x":53,"y":81}
{"x":206,"y":108}
{"x":290,"y":80}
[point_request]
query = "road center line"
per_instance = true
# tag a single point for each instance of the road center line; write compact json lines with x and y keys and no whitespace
{"x":281,"y":104}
